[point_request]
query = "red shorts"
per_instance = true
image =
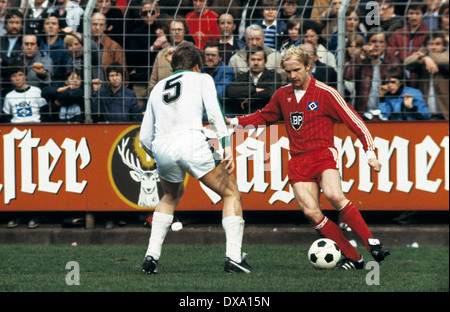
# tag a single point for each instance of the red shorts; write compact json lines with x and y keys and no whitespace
{"x":308,"y":167}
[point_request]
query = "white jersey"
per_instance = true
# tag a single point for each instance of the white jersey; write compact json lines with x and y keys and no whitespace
{"x":176,"y":106}
{"x":24,"y":105}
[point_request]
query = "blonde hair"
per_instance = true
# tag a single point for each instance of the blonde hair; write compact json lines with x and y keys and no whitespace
{"x":298,"y":53}
{"x":69,"y":40}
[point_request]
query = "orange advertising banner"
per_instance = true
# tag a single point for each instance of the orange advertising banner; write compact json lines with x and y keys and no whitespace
{"x":102,"y":167}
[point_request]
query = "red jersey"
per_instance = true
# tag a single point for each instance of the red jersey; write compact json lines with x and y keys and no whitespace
{"x":203,"y":28}
{"x":310,"y":122}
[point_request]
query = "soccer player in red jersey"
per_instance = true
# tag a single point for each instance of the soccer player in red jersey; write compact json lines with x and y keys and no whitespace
{"x":310,"y":109}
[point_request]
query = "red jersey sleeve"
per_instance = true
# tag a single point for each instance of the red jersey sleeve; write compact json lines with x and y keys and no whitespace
{"x":266,"y":116}
{"x":340,"y":110}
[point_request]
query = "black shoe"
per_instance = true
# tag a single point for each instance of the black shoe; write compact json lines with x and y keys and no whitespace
{"x":378,"y":250}
{"x":238,"y":267}
{"x":150,"y":265}
{"x":348,"y":264}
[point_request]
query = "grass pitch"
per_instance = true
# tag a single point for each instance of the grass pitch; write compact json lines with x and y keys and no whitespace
{"x":195,"y":268}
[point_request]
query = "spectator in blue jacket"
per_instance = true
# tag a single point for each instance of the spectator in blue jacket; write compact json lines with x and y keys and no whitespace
{"x":222,"y":74}
{"x":399,"y":102}
{"x":114,"y":103}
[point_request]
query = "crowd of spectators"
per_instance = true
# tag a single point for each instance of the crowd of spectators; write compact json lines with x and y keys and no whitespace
{"x":396,"y":64}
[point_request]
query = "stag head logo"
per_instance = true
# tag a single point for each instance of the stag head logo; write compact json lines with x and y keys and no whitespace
{"x":148,"y":196}
{"x":132,"y":172}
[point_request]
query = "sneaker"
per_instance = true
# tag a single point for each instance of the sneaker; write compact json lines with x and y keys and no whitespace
{"x":238,"y":267}
{"x":378,"y":250}
{"x":348,"y":264}
{"x":150,"y":265}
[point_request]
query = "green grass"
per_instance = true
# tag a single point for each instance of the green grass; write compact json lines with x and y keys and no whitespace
{"x":195,"y":268}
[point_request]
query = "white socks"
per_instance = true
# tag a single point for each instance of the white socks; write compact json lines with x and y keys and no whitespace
{"x":160,"y":226}
{"x":234,"y":231}
{"x":233,"y":226}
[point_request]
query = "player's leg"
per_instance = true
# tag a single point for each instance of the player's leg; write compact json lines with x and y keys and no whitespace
{"x":162,"y":220}
{"x":307,"y":197}
{"x":331,"y":186}
{"x":233,"y":223}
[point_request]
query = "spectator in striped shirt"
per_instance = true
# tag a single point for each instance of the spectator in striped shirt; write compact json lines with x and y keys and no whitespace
{"x":274,"y":28}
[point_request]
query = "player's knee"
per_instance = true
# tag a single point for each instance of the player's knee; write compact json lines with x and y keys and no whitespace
{"x":335,"y":198}
{"x":314,"y":216}
{"x":234,"y":194}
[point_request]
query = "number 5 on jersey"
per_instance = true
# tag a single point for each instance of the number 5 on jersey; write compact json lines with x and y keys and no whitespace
{"x":172,"y":89}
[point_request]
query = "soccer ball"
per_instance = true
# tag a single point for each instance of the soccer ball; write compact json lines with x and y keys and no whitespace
{"x":324,"y":254}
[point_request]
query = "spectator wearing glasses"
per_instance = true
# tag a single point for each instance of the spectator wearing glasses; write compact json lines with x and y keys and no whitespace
{"x":179,"y":31}
{"x":214,"y":66}
{"x":399,"y":102}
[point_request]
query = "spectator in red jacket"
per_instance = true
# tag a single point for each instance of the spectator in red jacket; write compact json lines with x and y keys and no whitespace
{"x":202,"y":23}
{"x":407,"y":40}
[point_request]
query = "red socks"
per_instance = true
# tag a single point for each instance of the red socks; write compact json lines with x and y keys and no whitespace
{"x":351,"y":215}
{"x":329,"y":229}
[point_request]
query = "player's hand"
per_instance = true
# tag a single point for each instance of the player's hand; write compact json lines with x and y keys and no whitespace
{"x":228,"y":159}
{"x":375,"y":164}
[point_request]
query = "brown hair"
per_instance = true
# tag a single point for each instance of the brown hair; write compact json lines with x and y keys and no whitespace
{"x":186,"y":56}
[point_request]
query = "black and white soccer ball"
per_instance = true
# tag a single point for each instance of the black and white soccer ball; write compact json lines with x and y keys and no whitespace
{"x":324,"y":254}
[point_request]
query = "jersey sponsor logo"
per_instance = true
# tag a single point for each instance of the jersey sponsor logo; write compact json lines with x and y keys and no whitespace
{"x":313,"y":106}
{"x":297,"y":120}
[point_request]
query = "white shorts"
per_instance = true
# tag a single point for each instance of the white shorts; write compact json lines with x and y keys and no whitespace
{"x":189,"y":152}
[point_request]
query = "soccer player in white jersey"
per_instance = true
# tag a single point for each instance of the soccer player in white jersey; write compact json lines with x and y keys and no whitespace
{"x":171,"y":133}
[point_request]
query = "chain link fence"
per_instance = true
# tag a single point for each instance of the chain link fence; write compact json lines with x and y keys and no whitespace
{"x":98,"y":60}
